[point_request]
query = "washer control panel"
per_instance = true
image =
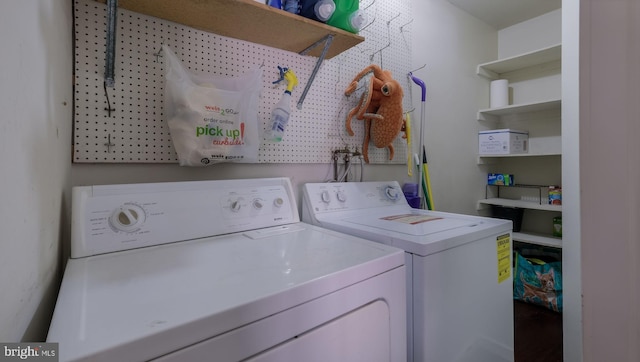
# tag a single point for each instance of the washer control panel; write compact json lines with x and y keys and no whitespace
{"x":342,"y":196}
{"x":118,"y":217}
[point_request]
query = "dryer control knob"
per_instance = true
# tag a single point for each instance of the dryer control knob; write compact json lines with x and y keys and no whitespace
{"x":258,"y":203}
{"x":342,"y":197}
{"x":278,"y":202}
{"x":326,"y":198}
{"x":128,"y":218}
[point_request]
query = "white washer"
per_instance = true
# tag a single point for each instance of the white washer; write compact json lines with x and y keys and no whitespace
{"x":459,"y":283}
{"x":224,"y":271}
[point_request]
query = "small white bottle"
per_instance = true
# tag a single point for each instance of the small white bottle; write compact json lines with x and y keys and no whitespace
{"x":279,"y":118}
{"x":280,"y":113}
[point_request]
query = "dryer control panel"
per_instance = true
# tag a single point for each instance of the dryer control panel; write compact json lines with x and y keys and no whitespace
{"x":343,"y":196}
{"x":111,"y":218}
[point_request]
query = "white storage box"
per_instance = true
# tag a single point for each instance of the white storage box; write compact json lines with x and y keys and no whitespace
{"x":503,"y":142}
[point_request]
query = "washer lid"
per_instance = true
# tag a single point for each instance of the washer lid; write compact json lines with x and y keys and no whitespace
{"x":412,"y":223}
{"x":143,"y":303}
{"x":419,"y":232}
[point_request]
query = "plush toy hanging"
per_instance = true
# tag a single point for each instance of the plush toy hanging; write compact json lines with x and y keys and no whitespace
{"x":380,"y":107}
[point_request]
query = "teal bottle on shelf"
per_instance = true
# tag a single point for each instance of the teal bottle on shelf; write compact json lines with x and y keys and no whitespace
{"x":347,"y":16}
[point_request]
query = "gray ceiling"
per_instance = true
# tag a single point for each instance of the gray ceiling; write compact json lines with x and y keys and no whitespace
{"x":503,"y":13}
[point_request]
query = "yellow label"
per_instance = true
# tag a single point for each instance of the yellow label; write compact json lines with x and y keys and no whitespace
{"x":503,"y":247}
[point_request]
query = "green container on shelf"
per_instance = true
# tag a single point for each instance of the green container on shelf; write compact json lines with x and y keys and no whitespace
{"x":347,"y":16}
{"x":557,"y":226}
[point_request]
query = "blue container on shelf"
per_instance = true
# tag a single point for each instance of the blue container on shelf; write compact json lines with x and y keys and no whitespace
{"x":275,"y":3}
{"x":410,"y":191}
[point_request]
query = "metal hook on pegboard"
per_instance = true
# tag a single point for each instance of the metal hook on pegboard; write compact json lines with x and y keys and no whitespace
{"x":368,"y":6}
{"x":109,"y":144}
{"x":405,"y":24}
{"x":410,"y":79}
{"x":158,"y":54}
{"x":368,"y":25}
{"x":417,"y":69}
{"x":388,"y":38}
{"x":404,"y":40}
{"x":106,"y":94}
{"x":374,"y":16}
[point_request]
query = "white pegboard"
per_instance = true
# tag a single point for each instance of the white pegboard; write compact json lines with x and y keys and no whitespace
{"x":136,"y":131}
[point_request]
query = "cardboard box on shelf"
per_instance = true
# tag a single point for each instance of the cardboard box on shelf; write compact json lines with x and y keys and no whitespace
{"x":503,"y":142}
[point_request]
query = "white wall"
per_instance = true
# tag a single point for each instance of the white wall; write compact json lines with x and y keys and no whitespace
{"x":540,"y":32}
{"x":35,"y":138}
{"x":451,"y":43}
{"x":609,"y":133}
{"x":543,"y":82}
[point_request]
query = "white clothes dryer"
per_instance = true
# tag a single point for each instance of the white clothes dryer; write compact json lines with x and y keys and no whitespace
{"x":222,"y":271}
{"x":459,"y":283}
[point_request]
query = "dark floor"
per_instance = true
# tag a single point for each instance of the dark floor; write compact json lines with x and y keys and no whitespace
{"x":538,"y":333}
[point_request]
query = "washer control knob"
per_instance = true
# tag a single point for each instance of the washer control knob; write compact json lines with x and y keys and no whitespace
{"x":391,"y":193}
{"x":342,"y":197}
{"x":127,"y":218}
{"x":235,"y":205}
{"x":278,"y":202}
{"x":326,"y":198}
{"x":258,"y":203}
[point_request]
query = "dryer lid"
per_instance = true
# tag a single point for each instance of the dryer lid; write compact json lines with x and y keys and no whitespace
{"x":113,"y":306}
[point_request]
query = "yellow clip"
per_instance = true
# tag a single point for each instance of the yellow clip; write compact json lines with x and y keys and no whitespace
{"x":291,"y":79}
{"x":407,"y":132}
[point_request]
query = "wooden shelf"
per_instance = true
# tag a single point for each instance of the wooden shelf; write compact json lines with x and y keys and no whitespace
{"x":521,"y":204}
{"x":491,"y":114}
{"x":493,"y":70}
{"x":247,"y":20}
{"x":538,"y":239}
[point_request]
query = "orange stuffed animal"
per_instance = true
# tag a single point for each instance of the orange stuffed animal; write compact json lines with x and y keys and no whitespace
{"x":380,"y":106}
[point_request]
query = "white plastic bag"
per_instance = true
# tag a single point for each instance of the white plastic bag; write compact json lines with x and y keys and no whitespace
{"x":211,"y":119}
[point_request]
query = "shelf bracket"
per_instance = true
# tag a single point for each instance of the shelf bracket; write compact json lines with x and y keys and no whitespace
{"x":327,"y":43}
{"x":112,"y":11}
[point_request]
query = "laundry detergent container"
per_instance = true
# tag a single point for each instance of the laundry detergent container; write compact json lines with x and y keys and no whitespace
{"x":347,"y":16}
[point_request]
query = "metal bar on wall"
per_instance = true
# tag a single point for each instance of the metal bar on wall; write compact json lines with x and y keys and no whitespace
{"x":110,"y":58}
